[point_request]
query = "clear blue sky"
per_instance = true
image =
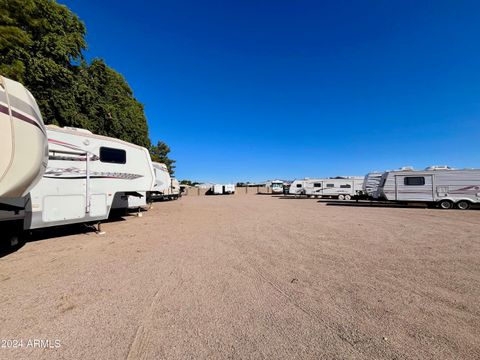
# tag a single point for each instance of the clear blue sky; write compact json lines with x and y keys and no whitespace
{"x":251,"y":90}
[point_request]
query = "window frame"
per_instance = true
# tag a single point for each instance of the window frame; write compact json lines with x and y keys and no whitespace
{"x":406,"y":180}
{"x":107,"y":148}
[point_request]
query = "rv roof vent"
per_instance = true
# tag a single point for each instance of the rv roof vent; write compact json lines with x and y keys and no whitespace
{"x":406,"y":168}
{"x":439,"y":167}
{"x":77,"y":129}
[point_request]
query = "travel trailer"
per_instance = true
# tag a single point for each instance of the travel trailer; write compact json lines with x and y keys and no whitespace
{"x":217,"y":189}
{"x":297,"y":187}
{"x":371,"y":183}
{"x":343,"y":188}
{"x":86,"y":174}
{"x":439,"y":185}
{"x":229,"y":189}
{"x":23,"y":141}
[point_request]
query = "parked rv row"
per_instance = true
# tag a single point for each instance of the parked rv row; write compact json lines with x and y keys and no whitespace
{"x":222,"y":189}
{"x":52,"y":176}
{"x":440,"y":186}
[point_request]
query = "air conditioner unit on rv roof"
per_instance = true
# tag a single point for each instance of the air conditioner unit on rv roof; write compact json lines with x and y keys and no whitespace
{"x":439,"y":167}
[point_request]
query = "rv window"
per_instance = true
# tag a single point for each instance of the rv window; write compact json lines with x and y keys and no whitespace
{"x":345,"y":186}
{"x":330,"y":185}
{"x":299,"y":185}
{"x":110,"y":155}
{"x":317,"y":184}
{"x":417,"y":180}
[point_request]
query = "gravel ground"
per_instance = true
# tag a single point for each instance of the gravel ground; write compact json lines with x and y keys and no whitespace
{"x":248,"y":277}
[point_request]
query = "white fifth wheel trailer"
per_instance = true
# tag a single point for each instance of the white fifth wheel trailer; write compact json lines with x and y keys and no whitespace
{"x":166,"y":187}
{"x":438,"y":185}
{"x":163,"y":183}
{"x":85,"y":173}
{"x":343,"y":188}
{"x":23,"y":140}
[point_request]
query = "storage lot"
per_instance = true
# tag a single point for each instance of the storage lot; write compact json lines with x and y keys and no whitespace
{"x":251,"y":277}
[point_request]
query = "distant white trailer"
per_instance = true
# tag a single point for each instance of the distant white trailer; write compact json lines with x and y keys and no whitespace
{"x":23,"y":140}
{"x":277,"y":187}
{"x":443,"y":186}
{"x":217,"y":189}
{"x":174,"y":190}
{"x":229,"y":189}
{"x":86,"y":173}
{"x":162,"y":189}
{"x":343,"y":188}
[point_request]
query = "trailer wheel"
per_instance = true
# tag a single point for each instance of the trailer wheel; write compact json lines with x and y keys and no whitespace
{"x":445,"y":204}
{"x":463,"y":205}
{"x":348,"y":197}
{"x":341,"y":197}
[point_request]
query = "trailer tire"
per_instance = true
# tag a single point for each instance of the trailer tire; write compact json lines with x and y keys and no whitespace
{"x":341,"y":197}
{"x":445,"y":204}
{"x":463,"y":205}
{"x":348,"y":197}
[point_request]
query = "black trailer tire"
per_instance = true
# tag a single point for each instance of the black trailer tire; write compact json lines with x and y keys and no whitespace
{"x":445,"y":204}
{"x":463,"y":205}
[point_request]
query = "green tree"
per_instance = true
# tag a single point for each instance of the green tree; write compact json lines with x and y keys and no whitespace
{"x":41,"y":44}
{"x":159,"y":153}
{"x":106,"y":105}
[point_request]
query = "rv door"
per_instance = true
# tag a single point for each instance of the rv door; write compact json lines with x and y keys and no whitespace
{"x":414,"y":187}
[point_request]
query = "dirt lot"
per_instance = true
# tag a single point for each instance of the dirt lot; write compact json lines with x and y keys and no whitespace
{"x":251,"y":277}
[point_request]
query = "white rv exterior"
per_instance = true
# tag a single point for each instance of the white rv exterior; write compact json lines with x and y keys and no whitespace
{"x":441,"y":185}
{"x":371,"y":182}
{"x":163,"y":183}
{"x":85,"y":173}
{"x":229,"y":189}
{"x":276,"y":186}
{"x":23,"y":140}
{"x":217,"y":189}
{"x":297,"y":187}
{"x":173,"y":191}
{"x":137,"y":200}
{"x":343,"y":188}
